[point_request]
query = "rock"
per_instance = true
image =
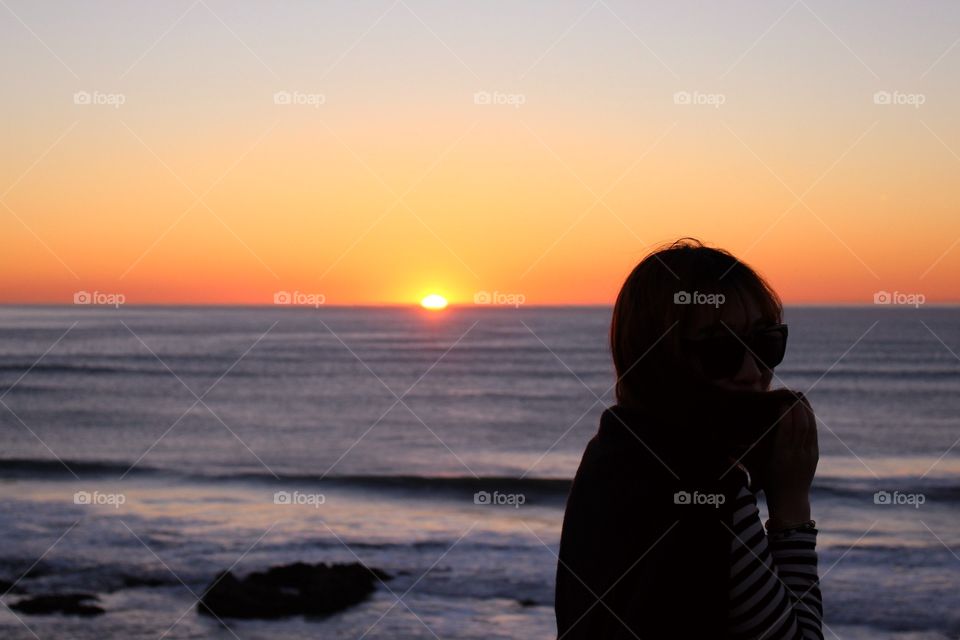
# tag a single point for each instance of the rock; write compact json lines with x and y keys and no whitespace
{"x":527,"y":602}
{"x":289,"y":590}
{"x":67,"y":603}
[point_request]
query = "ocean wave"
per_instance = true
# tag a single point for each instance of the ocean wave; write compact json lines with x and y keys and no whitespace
{"x":31,"y":468}
{"x":151,"y":368}
{"x":939,"y":488}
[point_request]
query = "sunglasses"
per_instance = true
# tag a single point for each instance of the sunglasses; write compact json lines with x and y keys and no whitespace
{"x":722,"y":356}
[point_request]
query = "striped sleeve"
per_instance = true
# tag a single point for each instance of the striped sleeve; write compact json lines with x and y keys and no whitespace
{"x":774,"y":587}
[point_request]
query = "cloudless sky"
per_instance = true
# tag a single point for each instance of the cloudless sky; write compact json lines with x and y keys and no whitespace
{"x":389,"y":177}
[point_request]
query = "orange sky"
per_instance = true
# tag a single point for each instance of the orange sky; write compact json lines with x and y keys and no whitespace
{"x":201,"y":188}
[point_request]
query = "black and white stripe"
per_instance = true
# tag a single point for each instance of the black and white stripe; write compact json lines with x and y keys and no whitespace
{"x":774,"y":587}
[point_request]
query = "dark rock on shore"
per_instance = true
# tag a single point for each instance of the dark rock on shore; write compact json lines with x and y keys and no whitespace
{"x":76,"y":604}
{"x":289,"y":590}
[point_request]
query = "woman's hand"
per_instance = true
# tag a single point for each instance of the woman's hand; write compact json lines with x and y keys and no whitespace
{"x":795,"y":453}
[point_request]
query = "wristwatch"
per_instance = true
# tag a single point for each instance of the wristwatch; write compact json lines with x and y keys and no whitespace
{"x":808,"y":525}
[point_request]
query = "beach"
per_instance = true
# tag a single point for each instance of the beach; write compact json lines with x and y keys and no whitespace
{"x":145,"y":449}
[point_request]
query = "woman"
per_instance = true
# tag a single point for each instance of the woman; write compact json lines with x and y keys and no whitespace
{"x":662,"y":536}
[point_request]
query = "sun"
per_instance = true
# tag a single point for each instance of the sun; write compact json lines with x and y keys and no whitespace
{"x":434,"y":302}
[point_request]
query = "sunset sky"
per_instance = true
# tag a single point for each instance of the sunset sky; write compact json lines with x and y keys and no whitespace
{"x":375,"y":152}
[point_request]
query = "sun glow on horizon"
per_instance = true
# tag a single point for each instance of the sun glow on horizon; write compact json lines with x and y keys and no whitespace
{"x":434,"y":302}
{"x":502,"y":186}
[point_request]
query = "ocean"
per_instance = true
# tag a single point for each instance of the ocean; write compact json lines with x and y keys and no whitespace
{"x":145,"y":449}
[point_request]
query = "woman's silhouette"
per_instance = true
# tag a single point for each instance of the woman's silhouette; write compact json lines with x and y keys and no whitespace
{"x":662,"y":536}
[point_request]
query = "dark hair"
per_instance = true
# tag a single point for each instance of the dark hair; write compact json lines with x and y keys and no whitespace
{"x":647,"y":325}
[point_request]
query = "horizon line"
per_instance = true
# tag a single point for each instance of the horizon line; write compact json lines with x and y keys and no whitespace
{"x":416,"y":305}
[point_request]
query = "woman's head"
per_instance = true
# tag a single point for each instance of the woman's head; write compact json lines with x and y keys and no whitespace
{"x":690,"y":315}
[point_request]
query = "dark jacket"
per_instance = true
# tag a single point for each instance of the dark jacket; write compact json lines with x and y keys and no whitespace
{"x":636,"y":560}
